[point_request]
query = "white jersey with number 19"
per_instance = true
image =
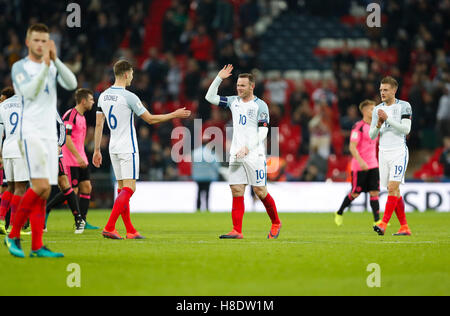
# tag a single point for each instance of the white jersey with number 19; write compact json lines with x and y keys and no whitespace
{"x":119,"y":106}
{"x":390,"y":138}
{"x":393,"y":153}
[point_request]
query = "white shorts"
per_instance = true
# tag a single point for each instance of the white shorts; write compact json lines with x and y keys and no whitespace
{"x":125,"y":166}
{"x":16,"y":170}
{"x":393,"y":164}
{"x":41,"y":157}
{"x":252,"y":172}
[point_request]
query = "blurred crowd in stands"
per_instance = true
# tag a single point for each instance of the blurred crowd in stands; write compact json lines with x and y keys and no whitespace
{"x":178,"y":46}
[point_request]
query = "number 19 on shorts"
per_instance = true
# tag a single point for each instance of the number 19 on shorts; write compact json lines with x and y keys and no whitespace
{"x":398,"y":170}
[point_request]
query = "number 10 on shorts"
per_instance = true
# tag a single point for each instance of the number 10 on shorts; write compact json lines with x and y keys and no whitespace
{"x":260,"y":174}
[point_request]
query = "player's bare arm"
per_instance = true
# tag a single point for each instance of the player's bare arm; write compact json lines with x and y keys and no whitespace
{"x":71,"y":146}
{"x":99,"y":123}
{"x":357,"y":156}
{"x":181,"y":113}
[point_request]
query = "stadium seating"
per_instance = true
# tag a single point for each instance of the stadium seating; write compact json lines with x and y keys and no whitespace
{"x":432,"y":170}
{"x":292,"y":40}
{"x":337,"y":168}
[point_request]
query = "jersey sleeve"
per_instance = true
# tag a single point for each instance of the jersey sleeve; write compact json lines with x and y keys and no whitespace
{"x":406,"y":111}
{"x":65,"y":77}
{"x":2,"y":130}
{"x":355,"y":135}
{"x":135,"y":104}
{"x":61,"y":130}
{"x":263,"y":114}
{"x":98,"y":108}
{"x":69,"y":122}
{"x":225,"y":102}
{"x":22,"y":82}
{"x":373,"y":132}
{"x":19,"y":76}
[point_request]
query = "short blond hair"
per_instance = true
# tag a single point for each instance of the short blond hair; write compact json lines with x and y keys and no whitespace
{"x":365,"y":103}
{"x":391,"y":81}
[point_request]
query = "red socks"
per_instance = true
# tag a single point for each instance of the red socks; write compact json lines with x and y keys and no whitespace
{"x":4,"y":205}
{"x":390,"y":207}
{"x":126,"y":218}
{"x":271,"y":209}
{"x":14,"y":205}
{"x":119,"y":207}
{"x":398,"y":205}
{"x":26,"y":206}
{"x":237,"y":213}
{"x":238,"y":210}
{"x":37,"y":221}
{"x":400,"y":211}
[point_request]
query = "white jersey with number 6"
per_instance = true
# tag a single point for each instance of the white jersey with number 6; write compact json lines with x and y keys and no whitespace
{"x":119,"y":106}
{"x":10,"y":117}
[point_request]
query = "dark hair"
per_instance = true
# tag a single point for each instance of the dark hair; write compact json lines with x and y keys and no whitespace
{"x":121,"y":67}
{"x":81,"y":94}
{"x":365,"y":103}
{"x":250,"y":77}
{"x":390,"y":80}
{"x":7,"y":92}
{"x":38,"y":27}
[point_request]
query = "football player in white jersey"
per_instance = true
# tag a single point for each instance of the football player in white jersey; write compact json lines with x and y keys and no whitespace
{"x":392,"y":120}
{"x":16,"y":171}
{"x":118,"y":106}
{"x":247,"y":153}
{"x":34,"y":79}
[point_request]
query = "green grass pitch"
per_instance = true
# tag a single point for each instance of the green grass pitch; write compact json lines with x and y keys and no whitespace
{"x":183,"y":256}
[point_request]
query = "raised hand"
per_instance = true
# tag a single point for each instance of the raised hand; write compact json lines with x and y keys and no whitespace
{"x":52,"y":49}
{"x":226,"y":71}
{"x":46,"y":56}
